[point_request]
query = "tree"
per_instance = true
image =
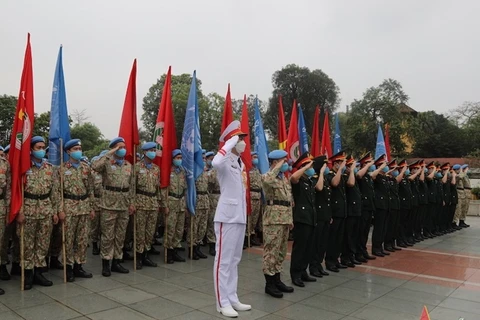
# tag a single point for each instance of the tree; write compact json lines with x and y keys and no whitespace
{"x":79,"y":116}
{"x":309,"y":87}
{"x":210,"y":115}
{"x":42,"y":125}
{"x":467,"y":117}
{"x":8,"y":106}
{"x":92,"y":138}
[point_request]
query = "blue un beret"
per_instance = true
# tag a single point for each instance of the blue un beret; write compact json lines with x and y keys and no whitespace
{"x":114,"y":142}
{"x":204,"y":151}
{"x":95,"y":158}
{"x":149,"y":145}
{"x":465,"y":166}
{"x":7,"y":148}
{"x":176,"y":152}
{"x":36,"y":140}
{"x":210,"y":154}
{"x":456,"y":167}
{"x":254,"y":153}
{"x":277,"y":154}
{"x":72,"y":143}
{"x":104,"y":152}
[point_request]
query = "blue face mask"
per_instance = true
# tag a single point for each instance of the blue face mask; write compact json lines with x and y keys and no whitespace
{"x":327,"y":171}
{"x":290,"y":168}
{"x":38,"y":154}
{"x":372,"y":168}
{"x":204,"y":164}
{"x":150,"y":154}
{"x":209,"y":162}
{"x":438,"y":175}
{"x":407,"y":172}
{"x":121,"y":153}
{"x":385,"y":169}
{"x":177,"y":162}
{"x":395,"y":173}
{"x":76,"y":155}
{"x":355,"y":170}
{"x":284,"y":167}
{"x":310,"y":172}
{"x":255,"y":161}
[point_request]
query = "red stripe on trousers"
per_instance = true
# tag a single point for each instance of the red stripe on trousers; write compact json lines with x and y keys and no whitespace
{"x":218,"y":263}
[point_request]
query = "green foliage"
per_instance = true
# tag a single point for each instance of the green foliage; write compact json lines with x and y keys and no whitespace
{"x":42,"y":124}
{"x":476,"y":192}
{"x":309,"y":87}
{"x":237,"y":113}
{"x":8,"y":105}
{"x":93,"y":141}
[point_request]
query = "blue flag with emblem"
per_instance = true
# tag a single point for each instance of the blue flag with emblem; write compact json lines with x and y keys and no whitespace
{"x":192,"y":159}
{"x":260,"y":145}
{"x":59,"y":122}
{"x":337,"y":140}
{"x":380,"y":148}
{"x":302,"y":131}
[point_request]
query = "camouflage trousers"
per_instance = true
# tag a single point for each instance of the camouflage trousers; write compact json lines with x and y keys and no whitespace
{"x":275,"y":241}
{"x":3,"y":236}
{"x":56,"y":241}
{"x":146,"y":223}
{"x":76,"y":238}
{"x":459,"y":210}
{"x":466,"y":204}
{"x":36,"y":241}
{"x":95,"y":227}
{"x":254,"y":217}
{"x":211,"y":215}
{"x":129,"y":233}
{"x":175,"y":223}
{"x":10,"y":233}
{"x":113,"y":225}
{"x":199,"y":226}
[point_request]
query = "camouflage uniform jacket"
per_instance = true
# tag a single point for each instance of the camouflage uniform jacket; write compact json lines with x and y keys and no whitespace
{"x":201,"y":185}
{"x":255,"y":184}
{"x":213,"y":185}
{"x":147,"y":186}
{"x":77,"y":182}
{"x":461,"y":185}
{"x":41,"y":181}
{"x":5,"y":185}
{"x":114,"y":175}
{"x":277,"y":188}
{"x":97,"y":188}
{"x":177,"y":187}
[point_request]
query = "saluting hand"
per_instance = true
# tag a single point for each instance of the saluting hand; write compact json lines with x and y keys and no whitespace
{"x":61,"y":216}
{"x":55,"y":219}
{"x":342,"y":165}
{"x":20,"y":218}
{"x":322,"y":169}
{"x":112,"y":151}
{"x":131,"y":209}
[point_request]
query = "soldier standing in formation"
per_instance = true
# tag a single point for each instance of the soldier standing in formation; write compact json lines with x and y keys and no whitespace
{"x":95,"y":231}
{"x":256,"y":201}
{"x":213,"y":195}
{"x":5,"y":192}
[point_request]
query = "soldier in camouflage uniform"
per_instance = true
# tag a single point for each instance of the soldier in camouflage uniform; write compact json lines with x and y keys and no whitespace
{"x":213,"y":195}
{"x":116,"y":204}
{"x":255,"y":199}
{"x":77,"y":209}
{"x":201,"y":214}
{"x":5,"y":183}
{"x":277,"y":221}
{"x":40,"y":207}
{"x":174,"y":208}
{"x":147,"y":203}
{"x":95,"y":222}
{"x":468,"y":196}
{"x":460,"y":193}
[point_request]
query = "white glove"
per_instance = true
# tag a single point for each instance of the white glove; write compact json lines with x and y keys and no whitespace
{"x":231,"y":143}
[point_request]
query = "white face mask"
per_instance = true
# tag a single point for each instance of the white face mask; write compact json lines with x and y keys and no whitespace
{"x":240,"y":146}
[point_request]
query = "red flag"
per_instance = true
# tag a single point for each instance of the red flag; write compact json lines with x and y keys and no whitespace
{"x":164,"y":134}
{"x":425,"y":315}
{"x":246,"y":155}
{"x":19,"y":156}
{"x":326,"y":147}
{"x":387,"y":141}
{"x":227,"y":115}
{"x":315,"y":149}
{"x":282,"y":128}
{"x":293,"y":142}
{"x":128,"y":124}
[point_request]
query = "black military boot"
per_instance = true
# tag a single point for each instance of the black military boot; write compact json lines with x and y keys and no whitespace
{"x":95,"y":249}
{"x":80,"y":273}
{"x":38,"y":278}
{"x":27,"y":285}
{"x":117,"y":267}
{"x":139,"y":264}
{"x":271,"y":288}
{"x":154,"y":251}
{"x":170,"y":259}
{"x":462,"y":224}
{"x":126,"y":256}
{"x":194,"y":256}
{"x":176,"y":257}
{"x":146,"y":261}
{"x":15,"y":270}
{"x":4,"y":275}
{"x":200,"y":254}
{"x":2,"y":291}
{"x":106,"y":268}
{"x":55,"y":263}
{"x":70,"y":275}
{"x":254,"y":241}
{"x":280,"y":285}
{"x":211,"y":249}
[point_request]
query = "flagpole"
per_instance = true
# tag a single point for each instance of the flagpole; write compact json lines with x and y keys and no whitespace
{"x":192,"y":221}
{"x":134,"y":214}
{"x":64,"y":251}
{"x":22,"y":245}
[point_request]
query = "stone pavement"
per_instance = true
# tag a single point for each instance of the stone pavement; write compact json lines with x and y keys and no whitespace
{"x":441,"y":273}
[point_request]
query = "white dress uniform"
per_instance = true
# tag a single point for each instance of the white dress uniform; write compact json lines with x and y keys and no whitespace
{"x":230,"y":220}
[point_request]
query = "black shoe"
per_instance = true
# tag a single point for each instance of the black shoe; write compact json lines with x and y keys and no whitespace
{"x":182,"y":249}
{"x":157,"y":242}
{"x":70,"y":275}
{"x":360,"y":258}
{"x":55,"y":263}
{"x":341,"y":266}
{"x":211,"y":249}
{"x":349,"y":264}
{"x":389,"y":249}
{"x":80,"y":273}
{"x":176,"y":257}
{"x":271,"y":288}
{"x":368,"y":257}
{"x":139,"y":264}
{"x":280,"y":285}
{"x":15,"y":270}
{"x":126,"y":257}
{"x":315,"y":273}
{"x":322,"y":272}
{"x":106,"y":268}
{"x":170,"y":256}
{"x":385,"y":253}
{"x":146,"y":260}
{"x":4,"y":275}
{"x":117,"y":267}
{"x":200,"y":254}
{"x":28,"y":284}
{"x":355,"y":261}
{"x":378,"y":254}
{"x":95,"y":249}
{"x":332,"y":268}
{"x":401,"y":244}
{"x":2,"y":292}
{"x":305,"y":277}
{"x":463,"y":224}
{"x":298,"y":282}
{"x":39,"y":279}
{"x":397,"y":249}
{"x":153,"y":251}
{"x":195,"y":255}
{"x":254,"y":241}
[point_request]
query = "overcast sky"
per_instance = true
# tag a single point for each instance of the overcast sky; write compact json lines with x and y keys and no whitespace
{"x":431,"y":47}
